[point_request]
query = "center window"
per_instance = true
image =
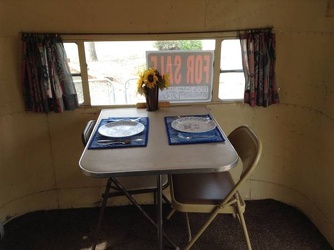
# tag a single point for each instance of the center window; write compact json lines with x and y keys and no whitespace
{"x":106,"y":72}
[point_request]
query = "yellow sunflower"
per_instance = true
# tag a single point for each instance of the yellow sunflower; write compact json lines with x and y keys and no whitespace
{"x":151,"y":78}
{"x":166,"y":81}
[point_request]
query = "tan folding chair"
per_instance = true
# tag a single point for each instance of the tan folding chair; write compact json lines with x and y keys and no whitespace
{"x":125,"y":185}
{"x":217,"y":193}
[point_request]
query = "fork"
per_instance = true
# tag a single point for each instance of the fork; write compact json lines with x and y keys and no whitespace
{"x":195,"y":136}
{"x":125,"y":119}
{"x":125,"y":141}
{"x":107,"y":142}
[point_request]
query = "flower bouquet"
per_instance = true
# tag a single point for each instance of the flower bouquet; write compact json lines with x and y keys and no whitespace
{"x":149,"y":83}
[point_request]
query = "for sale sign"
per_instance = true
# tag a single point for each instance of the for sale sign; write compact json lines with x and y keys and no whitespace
{"x":190,"y":73}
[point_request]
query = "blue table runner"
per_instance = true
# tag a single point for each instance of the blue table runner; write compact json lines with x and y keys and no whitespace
{"x":140,"y":143}
{"x":176,"y":137}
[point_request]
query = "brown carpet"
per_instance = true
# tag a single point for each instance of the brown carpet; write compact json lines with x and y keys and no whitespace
{"x":271,"y":225}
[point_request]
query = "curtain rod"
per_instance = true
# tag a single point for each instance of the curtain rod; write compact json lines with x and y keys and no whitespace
{"x":265,"y":29}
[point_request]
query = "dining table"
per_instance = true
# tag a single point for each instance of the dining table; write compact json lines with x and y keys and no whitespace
{"x":166,"y":141}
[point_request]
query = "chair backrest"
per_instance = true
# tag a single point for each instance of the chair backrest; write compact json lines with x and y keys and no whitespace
{"x":249,"y":149}
{"x":130,"y":90}
{"x":87,"y":131}
{"x":131,"y":95}
{"x":102,"y":91}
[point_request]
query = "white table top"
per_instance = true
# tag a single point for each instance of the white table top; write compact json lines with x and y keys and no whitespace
{"x":158,"y":157}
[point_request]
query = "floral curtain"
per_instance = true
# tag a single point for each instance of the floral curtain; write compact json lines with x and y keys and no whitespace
{"x":258,"y":58}
{"x":46,"y":78}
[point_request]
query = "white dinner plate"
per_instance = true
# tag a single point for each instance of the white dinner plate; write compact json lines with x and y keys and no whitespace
{"x":121,"y":129}
{"x":193,"y":124}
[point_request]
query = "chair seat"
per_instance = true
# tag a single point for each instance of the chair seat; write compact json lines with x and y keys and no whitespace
{"x":208,"y":188}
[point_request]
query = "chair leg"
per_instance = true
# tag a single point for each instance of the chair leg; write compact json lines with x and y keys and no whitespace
{"x":188,"y":226}
{"x":213,"y":215}
{"x":166,"y":200}
{"x":187,"y":219}
{"x":170,"y":214}
{"x":243,"y":224}
{"x":163,"y":197}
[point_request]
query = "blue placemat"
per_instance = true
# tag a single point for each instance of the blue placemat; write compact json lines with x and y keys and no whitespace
{"x":176,"y":137}
{"x":143,"y":136}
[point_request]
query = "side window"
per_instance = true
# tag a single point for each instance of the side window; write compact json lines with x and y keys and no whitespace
{"x":74,"y":63}
{"x":231,"y":78}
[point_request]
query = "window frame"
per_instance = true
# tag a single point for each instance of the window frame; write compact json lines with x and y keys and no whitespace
{"x":80,"y":39}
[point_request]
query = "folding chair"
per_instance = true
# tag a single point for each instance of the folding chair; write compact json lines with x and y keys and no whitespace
{"x":216,"y":193}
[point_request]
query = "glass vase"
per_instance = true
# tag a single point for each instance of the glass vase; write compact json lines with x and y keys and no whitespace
{"x":152,"y":99}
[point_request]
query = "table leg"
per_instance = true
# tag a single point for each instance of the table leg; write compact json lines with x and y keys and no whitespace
{"x":135,"y":203}
{"x":103,"y":206}
{"x":159,"y":217}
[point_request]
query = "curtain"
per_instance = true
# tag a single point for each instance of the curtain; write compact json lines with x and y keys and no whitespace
{"x":45,"y":74}
{"x":258,"y":59}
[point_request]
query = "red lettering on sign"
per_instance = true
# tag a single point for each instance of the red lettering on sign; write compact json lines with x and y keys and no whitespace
{"x":169,"y":69}
{"x":154,"y":61}
{"x":177,"y":74}
{"x":162,"y":65}
{"x":183,"y":68}
{"x":190,"y":69}
{"x":168,"y":64}
{"x":206,"y":68}
{"x":198,"y":69}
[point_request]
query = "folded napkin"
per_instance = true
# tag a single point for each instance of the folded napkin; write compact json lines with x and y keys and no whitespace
{"x":176,"y":137}
{"x":139,"y":140}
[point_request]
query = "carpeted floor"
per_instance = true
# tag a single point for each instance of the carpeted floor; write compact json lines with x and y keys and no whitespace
{"x":271,"y":225}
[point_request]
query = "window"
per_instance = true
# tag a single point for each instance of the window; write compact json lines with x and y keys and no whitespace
{"x":232,"y":78}
{"x":105,"y":68}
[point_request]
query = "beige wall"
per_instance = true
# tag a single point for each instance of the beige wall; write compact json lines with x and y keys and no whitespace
{"x":39,"y":153}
